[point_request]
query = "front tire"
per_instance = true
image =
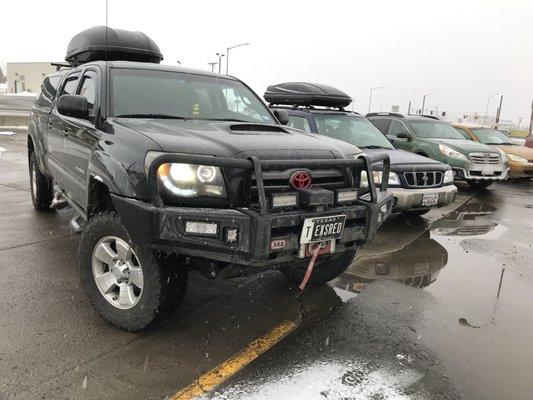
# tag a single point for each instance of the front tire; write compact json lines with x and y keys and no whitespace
{"x":323,"y":272}
{"x":130,"y":286}
{"x":41,"y":187}
{"x":479,"y":184}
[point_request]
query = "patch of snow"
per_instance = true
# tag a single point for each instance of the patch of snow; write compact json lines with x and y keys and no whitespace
{"x":7,"y":133}
{"x":22,"y":94}
{"x":2,"y":149}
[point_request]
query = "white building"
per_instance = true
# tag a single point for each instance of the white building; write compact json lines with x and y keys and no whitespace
{"x":27,"y":76}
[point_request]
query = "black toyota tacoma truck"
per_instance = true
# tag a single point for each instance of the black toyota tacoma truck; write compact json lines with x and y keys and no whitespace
{"x":170,"y":169}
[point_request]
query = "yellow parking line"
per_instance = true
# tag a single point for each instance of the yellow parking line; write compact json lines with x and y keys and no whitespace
{"x":231,"y":366}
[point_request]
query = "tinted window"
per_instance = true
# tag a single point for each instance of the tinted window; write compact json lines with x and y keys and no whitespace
{"x":435,"y":130}
{"x":396,"y":127}
{"x":300,"y":123}
{"x":355,"y":130}
{"x":137,"y":93}
{"x":88,"y":89}
{"x":381,"y":124}
{"x":70,"y":85}
{"x":48,"y":91}
{"x":491,"y":136}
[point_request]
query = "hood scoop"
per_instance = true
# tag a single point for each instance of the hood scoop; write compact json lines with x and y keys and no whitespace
{"x":255,"y":129}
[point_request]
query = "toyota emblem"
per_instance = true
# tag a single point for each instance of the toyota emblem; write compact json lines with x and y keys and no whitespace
{"x":300,"y":180}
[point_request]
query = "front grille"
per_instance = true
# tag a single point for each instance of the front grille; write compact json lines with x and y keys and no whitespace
{"x":277,"y":181}
{"x":422,"y":179}
{"x":485,"y":158}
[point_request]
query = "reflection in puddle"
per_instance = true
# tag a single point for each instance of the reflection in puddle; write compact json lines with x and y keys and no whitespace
{"x":471,"y":219}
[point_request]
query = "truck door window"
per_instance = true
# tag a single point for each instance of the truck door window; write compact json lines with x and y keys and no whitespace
{"x":300,"y":123}
{"x":88,"y":90}
{"x":70,"y":85}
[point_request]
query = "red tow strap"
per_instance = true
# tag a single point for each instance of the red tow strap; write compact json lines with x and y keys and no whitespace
{"x":310,"y":267}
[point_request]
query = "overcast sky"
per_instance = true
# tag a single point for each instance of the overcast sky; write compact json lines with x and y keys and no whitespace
{"x":463,"y":51}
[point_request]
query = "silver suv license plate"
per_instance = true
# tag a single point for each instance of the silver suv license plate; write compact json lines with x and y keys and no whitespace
{"x":430,"y":199}
{"x":320,"y":229}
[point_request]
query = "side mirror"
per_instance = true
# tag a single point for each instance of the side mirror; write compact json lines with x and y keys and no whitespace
{"x":73,"y":105}
{"x":403,"y":135}
{"x":282,"y":116}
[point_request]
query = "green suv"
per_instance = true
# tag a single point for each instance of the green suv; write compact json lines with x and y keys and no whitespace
{"x":478,"y":164}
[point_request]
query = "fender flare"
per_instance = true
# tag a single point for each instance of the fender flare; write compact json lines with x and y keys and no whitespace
{"x":107,"y":170}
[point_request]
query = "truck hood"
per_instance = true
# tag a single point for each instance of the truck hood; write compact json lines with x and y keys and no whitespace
{"x":465,"y":146}
{"x":227,"y":139}
{"x":400,"y":159}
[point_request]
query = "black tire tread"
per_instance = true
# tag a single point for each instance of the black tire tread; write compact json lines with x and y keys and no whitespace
{"x":45,"y":192}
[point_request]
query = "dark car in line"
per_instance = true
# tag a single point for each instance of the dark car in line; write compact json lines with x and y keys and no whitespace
{"x":417,"y":183}
{"x":171,"y":169}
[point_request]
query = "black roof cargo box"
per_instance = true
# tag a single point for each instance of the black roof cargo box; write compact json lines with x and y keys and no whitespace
{"x":306,"y":94}
{"x":90,"y":45}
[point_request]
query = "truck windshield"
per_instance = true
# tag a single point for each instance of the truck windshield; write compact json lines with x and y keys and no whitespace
{"x":137,"y":93}
{"x":491,"y":136}
{"x":355,"y":130}
{"x":435,"y":130}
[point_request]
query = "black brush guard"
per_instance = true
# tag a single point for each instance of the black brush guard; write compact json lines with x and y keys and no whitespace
{"x":161,"y":226}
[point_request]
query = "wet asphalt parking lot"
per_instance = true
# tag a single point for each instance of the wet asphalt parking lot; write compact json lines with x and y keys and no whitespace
{"x":439,"y":307}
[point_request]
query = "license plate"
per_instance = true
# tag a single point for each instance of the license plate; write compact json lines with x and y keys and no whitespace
{"x":322,"y":228}
{"x":487,"y":171}
{"x":430,"y":199}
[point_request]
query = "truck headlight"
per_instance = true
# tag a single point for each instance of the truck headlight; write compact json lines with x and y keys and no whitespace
{"x":189,"y":180}
{"x":514,"y":158}
{"x":448,"y":176}
{"x":449,"y":152}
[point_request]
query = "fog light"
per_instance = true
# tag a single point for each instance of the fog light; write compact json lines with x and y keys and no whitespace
{"x":346,"y":196}
{"x":231,"y":235}
{"x":201,"y":228}
{"x":284,"y":200}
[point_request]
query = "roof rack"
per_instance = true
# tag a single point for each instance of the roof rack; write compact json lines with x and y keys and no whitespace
{"x":307,"y":95}
{"x":60,"y":65}
{"x":388,"y":114}
{"x":108,"y":44}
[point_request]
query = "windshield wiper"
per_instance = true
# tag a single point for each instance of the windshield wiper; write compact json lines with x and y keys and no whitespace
{"x":155,"y":116}
{"x":501,"y":143}
{"x":225,"y":119}
{"x":373,"y":146}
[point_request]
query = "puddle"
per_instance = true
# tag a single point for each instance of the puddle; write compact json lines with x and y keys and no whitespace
{"x":475,"y":263}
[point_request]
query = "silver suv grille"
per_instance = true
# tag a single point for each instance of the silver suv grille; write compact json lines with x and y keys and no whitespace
{"x":423,"y":179}
{"x":485,"y":158}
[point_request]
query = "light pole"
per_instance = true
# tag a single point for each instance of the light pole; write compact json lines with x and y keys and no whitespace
{"x":497,"y":121}
{"x":212,"y":64}
{"x":424,"y":101}
{"x":220,"y":55}
{"x":487,"y":108}
{"x":370,"y":98}
{"x":227,"y":54}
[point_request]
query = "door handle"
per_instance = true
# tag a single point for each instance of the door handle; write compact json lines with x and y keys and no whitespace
{"x":66,"y":131}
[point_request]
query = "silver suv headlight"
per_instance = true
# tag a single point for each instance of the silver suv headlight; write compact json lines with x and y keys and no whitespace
{"x":394,"y":179}
{"x":189,"y":180}
{"x":448,"y":176}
